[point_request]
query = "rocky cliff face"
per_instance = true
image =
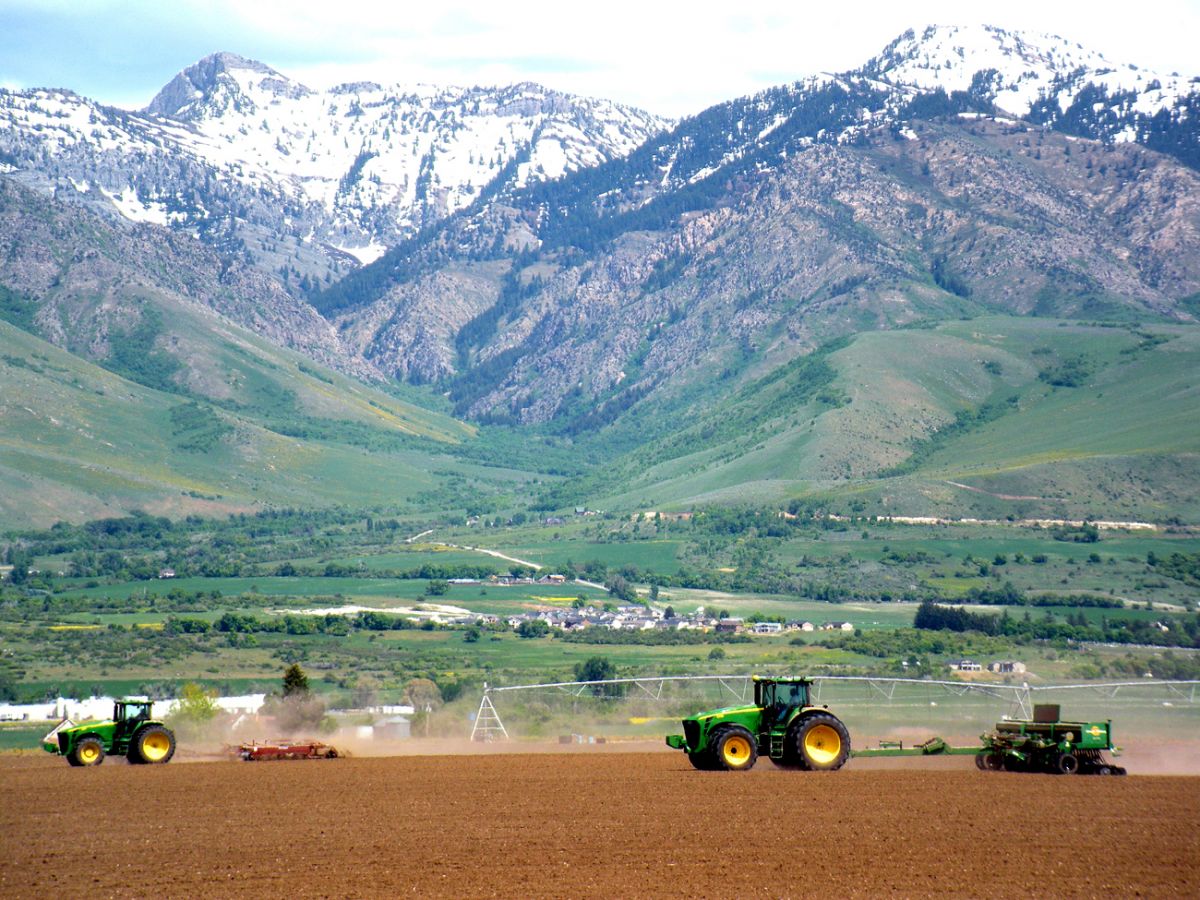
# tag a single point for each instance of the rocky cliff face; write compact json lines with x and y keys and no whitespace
{"x":90,"y":277}
{"x":925,"y":219}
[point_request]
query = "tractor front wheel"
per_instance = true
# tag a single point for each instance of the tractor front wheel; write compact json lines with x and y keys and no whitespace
{"x":153,"y":744}
{"x":89,"y":751}
{"x":736,"y":750}
{"x":703,"y":761}
{"x":822,"y":743}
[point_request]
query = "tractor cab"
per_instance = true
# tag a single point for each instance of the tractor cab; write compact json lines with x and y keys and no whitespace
{"x":781,"y":693}
{"x":132,"y":711}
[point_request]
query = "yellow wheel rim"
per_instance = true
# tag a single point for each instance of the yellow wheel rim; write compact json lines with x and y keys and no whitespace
{"x":822,"y":744}
{"x":155,"y":746}
{"x":88,"y":754}
{"x":736,"y":751}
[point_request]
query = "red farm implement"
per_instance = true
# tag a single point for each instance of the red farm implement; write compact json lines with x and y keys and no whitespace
{"x":305,"y":749}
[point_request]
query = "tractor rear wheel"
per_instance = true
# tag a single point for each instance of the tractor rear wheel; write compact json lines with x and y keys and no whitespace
{"x":1068,"y":764}
{"x":153,"y":744}
{"x":89,"y":751}
{"x":735,"y":749}
{"x":822,"y":743}
{"x":994,"y":761}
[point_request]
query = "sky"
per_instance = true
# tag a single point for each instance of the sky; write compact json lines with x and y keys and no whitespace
{"x":671,"y":58}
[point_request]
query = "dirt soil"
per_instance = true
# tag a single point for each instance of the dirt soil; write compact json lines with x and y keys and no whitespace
{"x":588,"y":825}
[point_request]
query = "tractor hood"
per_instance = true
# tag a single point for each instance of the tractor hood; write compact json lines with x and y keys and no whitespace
{"x":724,"y":711}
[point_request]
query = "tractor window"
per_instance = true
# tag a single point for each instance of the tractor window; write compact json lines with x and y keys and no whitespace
{"x":783,"y":695}
{"x":134,"y":713}
{"x":791,"y":695}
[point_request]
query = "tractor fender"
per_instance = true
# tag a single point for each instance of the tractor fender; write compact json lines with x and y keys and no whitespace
{"x":803,"y":713}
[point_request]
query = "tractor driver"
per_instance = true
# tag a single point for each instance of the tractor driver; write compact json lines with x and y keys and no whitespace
{"x":787,"y":697}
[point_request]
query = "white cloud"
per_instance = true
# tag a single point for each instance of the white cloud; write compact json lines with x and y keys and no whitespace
{"x":672,"y":58}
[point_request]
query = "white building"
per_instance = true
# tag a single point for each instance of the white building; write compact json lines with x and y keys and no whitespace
{"x":1005,"y":666}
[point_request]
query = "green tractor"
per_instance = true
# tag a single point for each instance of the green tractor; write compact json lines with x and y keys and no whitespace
{"x":782,"y":725}
{"x":131,"y":733}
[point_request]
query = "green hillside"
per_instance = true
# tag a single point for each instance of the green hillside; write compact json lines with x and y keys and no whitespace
{"x":1032,"y":417}
{"x":253,"y":425}
{"x":992,"y":417}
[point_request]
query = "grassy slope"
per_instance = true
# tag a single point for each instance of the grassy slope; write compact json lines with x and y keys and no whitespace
{"x":1123,"y":443}
{"x":80,"y":442}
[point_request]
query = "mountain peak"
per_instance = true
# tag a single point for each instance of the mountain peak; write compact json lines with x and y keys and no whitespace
{"x":1021,"y":66}
{"x":218,"y":81}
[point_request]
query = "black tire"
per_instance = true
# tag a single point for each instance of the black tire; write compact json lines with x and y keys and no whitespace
{"x":981,"y":761}
{"x":88,"y":751}
{"x":822,"y":742}
{"x":702,"y":761}
{"x":995,"y":761}
{"x":1103,"y":770}
{"x":734,"y":749}
{"x":1067,"y":764}
{"x":153,"y":745}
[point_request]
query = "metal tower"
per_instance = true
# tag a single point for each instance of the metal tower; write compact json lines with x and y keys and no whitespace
{"x":488,"y":726}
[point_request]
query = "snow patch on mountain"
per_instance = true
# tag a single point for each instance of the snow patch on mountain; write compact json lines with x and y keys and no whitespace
{"x":1016,"y":69}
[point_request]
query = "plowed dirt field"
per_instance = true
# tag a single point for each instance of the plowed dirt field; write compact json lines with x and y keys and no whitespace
{"x":583,"y":824}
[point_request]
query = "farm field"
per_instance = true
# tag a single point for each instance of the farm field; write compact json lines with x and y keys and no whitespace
{"x":503,"y":825}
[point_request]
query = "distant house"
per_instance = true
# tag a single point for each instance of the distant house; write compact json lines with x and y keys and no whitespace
{"x":767,"y":628}
{"x":553,"y":520}
{"x":729,"y":626}
{"x":166,"y":573}
{"x":967,"y":665}
{"x":837,"y":626}
{"x":552,"y":578}
{"x":801,"y":626}
{"x":1006,"y":666}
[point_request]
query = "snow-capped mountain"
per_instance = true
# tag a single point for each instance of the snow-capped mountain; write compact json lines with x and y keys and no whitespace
{"x":1027,"y":75}
{"x":261,"y":163}
{"x":945,"y":176}
{"x":936,"y":177}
